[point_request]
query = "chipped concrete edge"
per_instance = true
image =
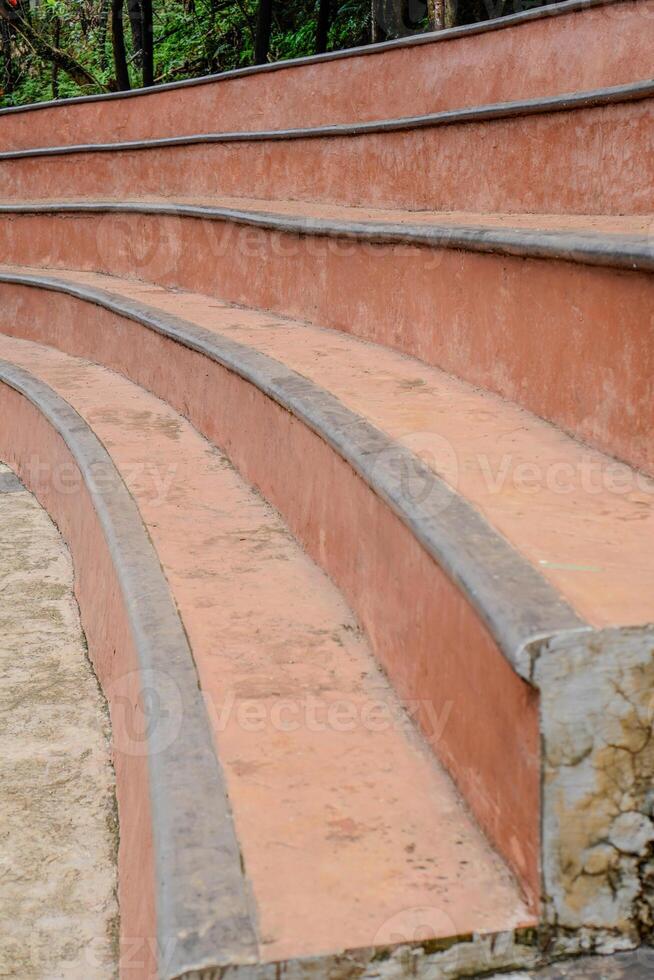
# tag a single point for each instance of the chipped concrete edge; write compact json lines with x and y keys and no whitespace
{"x":638,"y":965}
{"x":597,"y":773}
{"x":457,"y":957}
{"x":547,"y":11}
{"x":200,"y":890}
{"x":569,"y":102}
{"x":633,"y":253}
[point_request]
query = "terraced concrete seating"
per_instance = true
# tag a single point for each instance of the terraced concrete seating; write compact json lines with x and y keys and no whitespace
{"x":572,"y":46}
{"x":361,"y":500}
{"x":514,"y":156}
{"x":466,"y":293}
{"x":270,"y":639}
{"x":542,"y":609}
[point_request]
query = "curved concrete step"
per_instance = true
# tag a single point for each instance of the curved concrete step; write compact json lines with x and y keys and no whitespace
{"x":507,"y":538}
{"x":331,"y":838}
{"x":176,"y":868}
{"x":584,"y":283}
{"x":578,"y":44}
{"x":598,"y":147}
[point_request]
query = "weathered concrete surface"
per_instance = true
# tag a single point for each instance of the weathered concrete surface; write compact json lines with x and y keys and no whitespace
{"x":638,"y":965}
{"x":416,"y":300}
{"x":58,"y":833}
{"x":330,"y":868}
{"x":597,"y":790}
{"x":599,"y":153}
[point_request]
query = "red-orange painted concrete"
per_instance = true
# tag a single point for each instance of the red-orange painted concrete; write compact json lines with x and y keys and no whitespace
{"x":592,"y":161}
{"x":476,"y":316}
{"x":582,"y":519}
{"x":341,"y":826}
{"x":41,"y":458}
{"x":431,"y":642}
{"x":597,"y":47}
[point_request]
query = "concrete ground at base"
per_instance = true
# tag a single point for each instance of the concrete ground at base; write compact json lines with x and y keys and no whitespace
{"x":58,"y":831}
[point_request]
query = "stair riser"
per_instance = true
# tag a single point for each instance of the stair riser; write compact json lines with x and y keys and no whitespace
{"x":415,"y":299}
{"x":482,"y":719}
{"x":548,"y":55}
{"x":593,"y":161}
{"x":48,"y":469}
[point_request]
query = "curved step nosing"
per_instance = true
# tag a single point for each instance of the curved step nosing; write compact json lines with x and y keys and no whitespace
{"x":450,"y":34}
{"x":201,"y":897}
{"x":481,"y":561}
{"x":633,"y":254}
{"x":569,"y":102}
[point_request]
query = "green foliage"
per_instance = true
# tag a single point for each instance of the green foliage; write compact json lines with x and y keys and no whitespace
{"x":192,"y":37}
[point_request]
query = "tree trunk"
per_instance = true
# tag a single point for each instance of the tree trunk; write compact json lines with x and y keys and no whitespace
{"x":8,"y":68}
{"x":322,"y":27}
{"x":47,"y":52}
{"x":460,"y":12}
{"x":264,"y":26}
{"x":136,"y":24}
{"x":148,"y":43}
{"x":387,"y":19}
{"x":103,"y":26}
{"x":55,"y":68}
{"x":118,"y":44}
{"x":436,"y":14}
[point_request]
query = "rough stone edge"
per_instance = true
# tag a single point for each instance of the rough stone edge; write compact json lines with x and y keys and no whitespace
{"x":468,"y":30}
{"x":513,"y":598}
{"x":457,"y":957}
{"x":631,"y":253}
{"x":597,"y":801}
{"x":571,"y":102}
{"x":638,"y":965}
{"x":201,"y":895}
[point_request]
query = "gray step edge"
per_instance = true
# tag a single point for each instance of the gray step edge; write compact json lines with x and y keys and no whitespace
{"x":201,"y":895}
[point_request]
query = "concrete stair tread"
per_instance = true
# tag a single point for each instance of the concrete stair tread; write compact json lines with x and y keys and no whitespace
{"x":583,"y":520}
{"x":621,"y":241}
{"x":634,"y":226}
{"x":631,"y":225}
{"x":342,"y":828}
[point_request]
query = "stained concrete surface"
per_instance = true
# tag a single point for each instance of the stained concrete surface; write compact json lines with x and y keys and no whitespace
{"x":58,"y":830}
